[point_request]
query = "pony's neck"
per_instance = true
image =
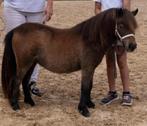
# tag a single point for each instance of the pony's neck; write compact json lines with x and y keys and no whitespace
{"x":89,"y":29}
{"x":99,"y":29}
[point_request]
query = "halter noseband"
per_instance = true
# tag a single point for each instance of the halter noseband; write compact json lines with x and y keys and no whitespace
{"x":120,"y":43}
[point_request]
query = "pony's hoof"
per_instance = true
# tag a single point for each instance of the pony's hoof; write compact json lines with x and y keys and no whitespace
{"x":84,"y":111}
{"x":15,"y":107}
{"x":90,"y":104}
{"x":30,"y":101}
{"x":14,"y":104}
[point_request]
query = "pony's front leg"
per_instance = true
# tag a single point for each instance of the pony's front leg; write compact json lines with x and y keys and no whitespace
{"x":86,"y":86}
{"x":14,"y":92}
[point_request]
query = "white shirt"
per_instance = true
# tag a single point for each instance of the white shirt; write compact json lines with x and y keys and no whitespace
{"x":26,"y":5}
{"x":107,"y":4}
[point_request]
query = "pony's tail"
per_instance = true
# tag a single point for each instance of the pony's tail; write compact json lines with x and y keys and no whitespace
{"x":8,"y":66}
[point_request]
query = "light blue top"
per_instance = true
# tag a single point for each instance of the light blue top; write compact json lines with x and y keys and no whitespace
{"x":26,"y":5}
{"x":107,"y":4}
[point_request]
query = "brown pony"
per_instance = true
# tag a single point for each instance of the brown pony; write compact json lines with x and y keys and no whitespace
{"x":81,"y":47}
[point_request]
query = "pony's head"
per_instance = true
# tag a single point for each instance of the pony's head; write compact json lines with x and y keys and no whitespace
{"x":125,"y":29}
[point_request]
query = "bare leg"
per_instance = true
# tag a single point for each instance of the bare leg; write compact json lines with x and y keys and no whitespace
{"x":124,"y":71}
{"x":111,"y":69}
{"x":111,"y":74}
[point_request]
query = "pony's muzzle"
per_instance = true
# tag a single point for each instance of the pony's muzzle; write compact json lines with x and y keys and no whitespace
{"x":131,"y":47}
{"x":130,"y":44}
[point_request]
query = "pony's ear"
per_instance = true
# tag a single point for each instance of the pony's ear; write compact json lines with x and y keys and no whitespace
{"x":135,"y":12}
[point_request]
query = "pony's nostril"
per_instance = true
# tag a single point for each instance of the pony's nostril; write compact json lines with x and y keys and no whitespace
{"x":135,"y":46}
{"x":132,"y":46}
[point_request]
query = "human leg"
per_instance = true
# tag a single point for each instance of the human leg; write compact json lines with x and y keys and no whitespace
{"x":124,"y":73}
{"x":111,"y":74}
{"x":13,"y":18}
{"x":111,"y":69}
{"x":35,"y":18}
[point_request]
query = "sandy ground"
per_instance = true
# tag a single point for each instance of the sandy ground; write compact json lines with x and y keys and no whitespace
{"x":58,"y":106}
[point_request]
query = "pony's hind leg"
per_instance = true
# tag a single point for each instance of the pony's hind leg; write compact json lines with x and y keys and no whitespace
{"x":25,"y":83}
{"x":14,"y":92}
{"x":85,"y":100}
{"x":14,"y":87}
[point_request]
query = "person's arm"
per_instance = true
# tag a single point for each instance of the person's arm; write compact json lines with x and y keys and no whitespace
{"x":49,"y":10}
{"x":97,"y":7}
{"x":1,"y":1}
{"x":126,"y":4}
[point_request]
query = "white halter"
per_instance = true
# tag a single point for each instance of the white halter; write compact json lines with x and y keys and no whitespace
{"x":120,"y":43}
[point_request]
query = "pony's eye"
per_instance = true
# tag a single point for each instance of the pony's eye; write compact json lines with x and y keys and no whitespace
{"x":121,"y":26}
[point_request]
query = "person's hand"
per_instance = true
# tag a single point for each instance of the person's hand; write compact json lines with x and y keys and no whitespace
{"x":48,"y":12}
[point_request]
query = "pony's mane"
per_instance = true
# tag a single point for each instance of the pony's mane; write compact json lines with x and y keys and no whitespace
{"x":102,"y":22}
{"x":90,"y":28}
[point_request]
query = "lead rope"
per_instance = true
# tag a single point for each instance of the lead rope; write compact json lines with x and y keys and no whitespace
{"x":115,"y":68}
{"x":115,"y":57}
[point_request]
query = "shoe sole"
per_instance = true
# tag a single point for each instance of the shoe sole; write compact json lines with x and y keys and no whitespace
{"x":126,"y":104}
{"x":117,"y":98}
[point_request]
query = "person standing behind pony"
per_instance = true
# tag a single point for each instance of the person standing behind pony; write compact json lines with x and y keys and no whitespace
{"x":17,"y":12}
{"x":121,"y":55}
